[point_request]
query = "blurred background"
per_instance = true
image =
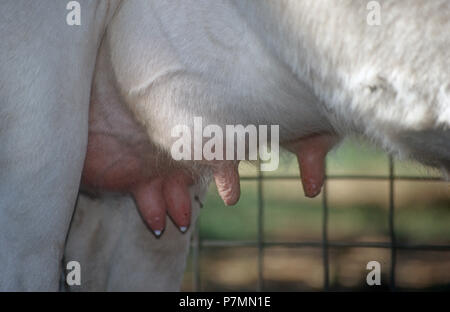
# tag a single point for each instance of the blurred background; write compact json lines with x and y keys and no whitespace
{"x":273,"y":239}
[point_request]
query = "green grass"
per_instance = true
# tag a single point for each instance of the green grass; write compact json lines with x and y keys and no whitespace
{"x":289,"y":216}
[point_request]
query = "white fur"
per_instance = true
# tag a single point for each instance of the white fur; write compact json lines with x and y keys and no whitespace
{"x":45,"y":71}
{"x":308,"y":65}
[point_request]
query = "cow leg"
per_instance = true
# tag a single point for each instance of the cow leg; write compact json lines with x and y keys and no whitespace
{"x":118,"y":252}
{"x":45,"y":72}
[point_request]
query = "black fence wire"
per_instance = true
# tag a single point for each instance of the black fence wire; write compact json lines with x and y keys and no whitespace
{"x":325,"y":244}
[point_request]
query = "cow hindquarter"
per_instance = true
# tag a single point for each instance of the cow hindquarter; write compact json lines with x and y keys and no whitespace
{"x":46,"y":68}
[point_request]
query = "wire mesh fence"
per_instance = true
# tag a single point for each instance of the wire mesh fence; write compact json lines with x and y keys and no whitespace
{"x":324,"y":244}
